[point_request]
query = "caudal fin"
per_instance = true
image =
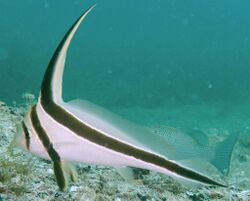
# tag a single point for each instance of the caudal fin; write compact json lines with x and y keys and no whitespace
{"x":223,"y":153}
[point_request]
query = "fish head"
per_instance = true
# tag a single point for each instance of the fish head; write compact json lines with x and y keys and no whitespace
{"x":26,"y":139}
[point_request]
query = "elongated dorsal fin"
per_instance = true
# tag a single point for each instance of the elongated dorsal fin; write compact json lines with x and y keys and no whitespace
{"x":51,"y":89}
{"x":51,"y":92}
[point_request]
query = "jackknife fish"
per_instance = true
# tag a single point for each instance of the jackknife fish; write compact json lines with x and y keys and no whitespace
{"x":80,"y":131}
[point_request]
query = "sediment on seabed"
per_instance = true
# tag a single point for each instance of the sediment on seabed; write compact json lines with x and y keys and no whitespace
{"x":26,"y":177}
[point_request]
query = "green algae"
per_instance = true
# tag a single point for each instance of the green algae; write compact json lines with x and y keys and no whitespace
{"x":13,"y":169}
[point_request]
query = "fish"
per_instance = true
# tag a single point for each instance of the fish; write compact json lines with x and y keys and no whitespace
{"x":80,"y":131}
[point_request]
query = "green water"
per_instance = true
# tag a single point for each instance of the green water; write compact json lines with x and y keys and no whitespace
{"x":184,"y":64}
{"x":130,"y":53}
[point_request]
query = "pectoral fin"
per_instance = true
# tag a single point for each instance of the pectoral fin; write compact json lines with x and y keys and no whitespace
{"x":70,"y":171}
{"x":63,"y":172}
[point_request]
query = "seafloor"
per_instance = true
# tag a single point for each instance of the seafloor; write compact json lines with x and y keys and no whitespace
{"x":25,"y":177}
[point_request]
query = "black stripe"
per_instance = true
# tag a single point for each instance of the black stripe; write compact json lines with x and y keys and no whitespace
{"x":66,"y":119}
{"x":27,"y":135}
{"x":69,"y":121}
{"x":46,"y":89}
{"x":60,"y":177}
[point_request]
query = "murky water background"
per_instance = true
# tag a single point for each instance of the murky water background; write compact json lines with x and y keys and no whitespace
{"x":130,"y":53}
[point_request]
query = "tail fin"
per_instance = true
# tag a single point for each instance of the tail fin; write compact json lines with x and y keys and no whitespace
{"x":223,"y":152}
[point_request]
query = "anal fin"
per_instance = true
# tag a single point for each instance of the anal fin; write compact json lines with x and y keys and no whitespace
{"x":60,"y":175}
{"x":126,"y":173}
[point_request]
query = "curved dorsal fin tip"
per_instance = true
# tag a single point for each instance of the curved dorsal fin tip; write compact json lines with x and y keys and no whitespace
{"x":51,"y":89}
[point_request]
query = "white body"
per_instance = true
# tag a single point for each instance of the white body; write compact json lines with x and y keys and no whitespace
{"x":76,"y":149}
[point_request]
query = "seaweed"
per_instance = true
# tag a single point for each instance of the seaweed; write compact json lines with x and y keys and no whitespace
{"x":12,"y":169}
{"x":18,"y":189}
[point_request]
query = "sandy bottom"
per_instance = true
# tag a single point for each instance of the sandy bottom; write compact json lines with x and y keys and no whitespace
{"x":25,"y":177}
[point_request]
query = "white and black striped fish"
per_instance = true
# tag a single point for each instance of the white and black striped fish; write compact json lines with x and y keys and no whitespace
{"x":83,"y":132}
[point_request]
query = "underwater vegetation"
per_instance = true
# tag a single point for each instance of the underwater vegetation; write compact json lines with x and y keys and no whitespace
{"x":80,"y":131}
{"x":9,"y":170}
{"x":24,"y":176}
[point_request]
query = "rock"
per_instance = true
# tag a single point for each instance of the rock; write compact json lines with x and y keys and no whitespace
{"x":2,"y":103}
{"x":199,"y":196}
{"x":73,"y":189}
{"x":143,"y":197}
{"x":139,"y":173}
{"x":215,"y":195}
{"x":2,"y":190}
{"x":50,"y":171}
